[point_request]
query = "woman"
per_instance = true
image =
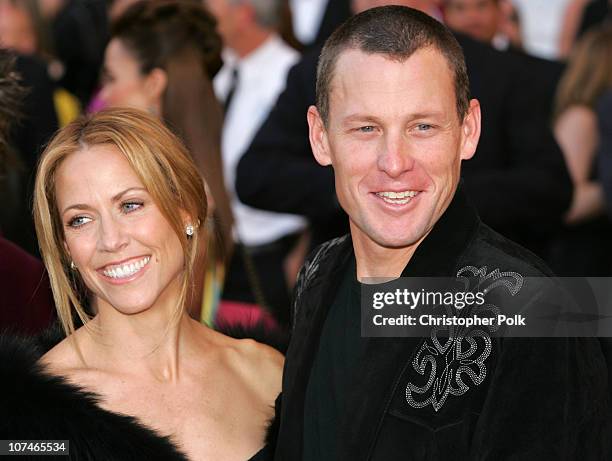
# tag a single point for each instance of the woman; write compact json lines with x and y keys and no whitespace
{"x":118,"y":209}
{"x":585,"y":247}
{"x":161,"y":58}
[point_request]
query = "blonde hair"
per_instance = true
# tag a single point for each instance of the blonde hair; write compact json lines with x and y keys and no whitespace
{"x":589,"y":71}
{"x":162,"y":164}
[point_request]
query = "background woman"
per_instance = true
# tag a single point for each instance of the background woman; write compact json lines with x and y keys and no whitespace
{"x":161,"y":58}
{"x":588,"y":76}
{"x":118,"y":207}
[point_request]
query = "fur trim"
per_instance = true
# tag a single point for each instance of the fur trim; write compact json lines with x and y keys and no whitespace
{"x":38,"y":405}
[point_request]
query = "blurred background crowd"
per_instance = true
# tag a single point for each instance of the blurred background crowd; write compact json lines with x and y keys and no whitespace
{"x":234,"y":78}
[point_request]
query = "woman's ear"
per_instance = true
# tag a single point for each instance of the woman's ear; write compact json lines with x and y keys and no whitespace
{"x":156,"y":83}
{"x":66,"y":250}
{"x":188,"y":220}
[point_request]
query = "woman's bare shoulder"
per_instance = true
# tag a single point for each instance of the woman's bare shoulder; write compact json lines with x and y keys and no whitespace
{"x":261,"y":365}
{"x":577,"y":114}
{"x":63,"y":359}
{"x":256,"y":363}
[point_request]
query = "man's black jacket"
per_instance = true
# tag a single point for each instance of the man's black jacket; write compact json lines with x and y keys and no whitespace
{"x":506,"y":399}
{"x":517,"y":179}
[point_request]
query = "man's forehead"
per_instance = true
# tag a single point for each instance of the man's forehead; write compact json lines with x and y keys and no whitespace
{"x":379,"y":84}
{"x":354,"y":63}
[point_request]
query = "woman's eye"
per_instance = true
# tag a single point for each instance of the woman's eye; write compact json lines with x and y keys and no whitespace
{"x":78,"y":221}
{"x":128,"y":207}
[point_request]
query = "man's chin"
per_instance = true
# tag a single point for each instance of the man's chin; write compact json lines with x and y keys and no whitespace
{"x":397,"y":241}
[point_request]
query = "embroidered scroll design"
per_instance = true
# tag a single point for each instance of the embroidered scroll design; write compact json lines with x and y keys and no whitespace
{"x":310,"y":269}
{"x":458,"y":361}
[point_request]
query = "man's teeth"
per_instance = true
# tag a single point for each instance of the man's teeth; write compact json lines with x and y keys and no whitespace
{"x":398,"y":198}
{"x":126,"y":270}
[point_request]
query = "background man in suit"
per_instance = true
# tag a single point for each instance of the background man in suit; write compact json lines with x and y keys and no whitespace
{"x":256,"y":62}
{"x":314,"y":20}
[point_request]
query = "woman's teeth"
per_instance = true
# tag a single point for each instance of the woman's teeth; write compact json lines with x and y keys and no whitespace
{"x":126,"y":270}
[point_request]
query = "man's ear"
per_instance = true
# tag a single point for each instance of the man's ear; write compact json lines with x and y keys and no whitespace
{"x":470,"y":130}
{"x":156,"y":83}
{"x":318,"y":137}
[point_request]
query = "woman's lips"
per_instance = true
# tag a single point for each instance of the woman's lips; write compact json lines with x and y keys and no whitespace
{"x":125,"y":271}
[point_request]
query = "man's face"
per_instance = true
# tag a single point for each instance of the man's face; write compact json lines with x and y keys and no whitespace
{"x":395,"y":142}
{"x":225,"y":13}
{"x":477,"y":18}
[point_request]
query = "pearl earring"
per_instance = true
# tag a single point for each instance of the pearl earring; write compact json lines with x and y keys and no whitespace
{"x":72,"y":265}
{"x":189,"y":230}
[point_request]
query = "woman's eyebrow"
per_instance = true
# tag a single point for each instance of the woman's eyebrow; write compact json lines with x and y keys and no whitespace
{"x":116,"y":198}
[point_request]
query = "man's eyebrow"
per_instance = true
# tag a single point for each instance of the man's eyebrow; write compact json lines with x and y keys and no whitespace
{"x":117,"y":197}
{"x":370,"y":118}
{"x":360,"y":118}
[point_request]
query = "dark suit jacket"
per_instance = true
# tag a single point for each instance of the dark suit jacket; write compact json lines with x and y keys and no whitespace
{"x":518,"y":178}
{"x":604,"y":150}
{"x":28,"y":137}
{"x":336,"y":12}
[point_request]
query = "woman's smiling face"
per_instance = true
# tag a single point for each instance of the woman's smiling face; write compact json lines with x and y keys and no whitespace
{"x":125,"y":250}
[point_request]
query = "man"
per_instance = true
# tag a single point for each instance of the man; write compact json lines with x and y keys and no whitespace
{"x":518,"y":161}
{"x":480,"y":19}
{"x":486,"y":22}
{"x":394,"y":121}
{"x":256,"y":61}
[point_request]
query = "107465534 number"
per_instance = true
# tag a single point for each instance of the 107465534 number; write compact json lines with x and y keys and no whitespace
{"x":34,"y":447}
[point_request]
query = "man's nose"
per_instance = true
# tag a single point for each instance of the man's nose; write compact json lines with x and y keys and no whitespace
{"x":395,"y":157}
{"x":112,"y":235}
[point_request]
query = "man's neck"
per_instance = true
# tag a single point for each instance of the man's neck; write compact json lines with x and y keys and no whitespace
{"x":376,"y":261}
{"x":247,"y":42}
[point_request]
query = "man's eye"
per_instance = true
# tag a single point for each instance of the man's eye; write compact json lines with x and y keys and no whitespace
{"x":78,"y":221}
{"x":424,"y":127}
{"x":128,"y":207}
{"x":366,"y":129}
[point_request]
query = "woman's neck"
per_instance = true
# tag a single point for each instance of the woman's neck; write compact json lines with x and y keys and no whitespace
{"x":150,"y":342}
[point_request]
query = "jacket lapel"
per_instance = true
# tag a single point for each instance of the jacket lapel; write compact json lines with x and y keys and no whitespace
{"x":303,"y":349}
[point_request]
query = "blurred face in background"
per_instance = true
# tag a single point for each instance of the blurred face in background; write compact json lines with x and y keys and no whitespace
{"x":16,"y":28}
{"x":117,"y":8}
{"x":124,"y":85}
{"x":426,"y":6}
{"x":228,"y":18}
{"x":477,"y":18}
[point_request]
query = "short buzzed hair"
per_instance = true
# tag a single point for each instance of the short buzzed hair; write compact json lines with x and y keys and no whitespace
{"x":395,"y":32}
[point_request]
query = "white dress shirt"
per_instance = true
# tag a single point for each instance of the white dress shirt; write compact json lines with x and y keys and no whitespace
{"x":261,"y":78}
{"x":306,"y":18}
{"x":541,"y":25}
